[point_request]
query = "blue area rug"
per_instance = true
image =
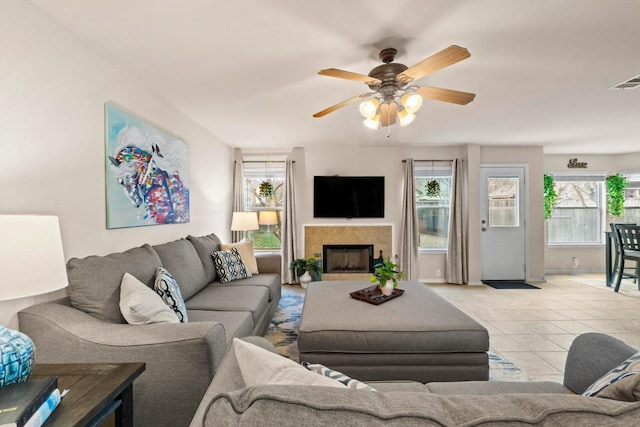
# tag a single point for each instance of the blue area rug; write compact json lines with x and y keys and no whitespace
{"x":283,"y":334}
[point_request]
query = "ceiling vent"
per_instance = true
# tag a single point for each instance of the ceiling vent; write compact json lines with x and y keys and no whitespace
{"x":632,"y":83}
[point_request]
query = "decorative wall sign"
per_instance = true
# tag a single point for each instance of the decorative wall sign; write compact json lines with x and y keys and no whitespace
{"x":147,"y":172}
{"x":575,"y":164}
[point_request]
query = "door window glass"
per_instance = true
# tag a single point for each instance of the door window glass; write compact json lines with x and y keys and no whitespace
{"x":503,"y":201}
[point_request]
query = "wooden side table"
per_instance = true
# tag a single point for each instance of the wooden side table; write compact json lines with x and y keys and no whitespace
{"x":96,"y":390}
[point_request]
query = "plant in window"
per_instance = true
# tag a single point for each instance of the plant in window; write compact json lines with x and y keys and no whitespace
{"x":433,"y":188}
{"x":616,"y":185}
{"x":266,"y":189}
{"x":550,"y":196}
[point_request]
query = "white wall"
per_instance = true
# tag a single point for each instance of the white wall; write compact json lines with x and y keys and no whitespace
{"x":591,"y":258}
{"x":387,"y":161}
{"x":53,"y":89}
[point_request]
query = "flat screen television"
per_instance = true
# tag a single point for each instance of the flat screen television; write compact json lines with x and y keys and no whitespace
{"x":348,"y":197}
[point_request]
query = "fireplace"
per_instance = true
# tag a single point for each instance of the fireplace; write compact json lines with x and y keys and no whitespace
{"x":349,"y":259}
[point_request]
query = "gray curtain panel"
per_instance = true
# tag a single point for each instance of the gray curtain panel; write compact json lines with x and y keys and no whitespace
{"x":457,"y":259}
{"x":238,"y":192}
{"x":289,"y":226}
{"x":409,"y":238}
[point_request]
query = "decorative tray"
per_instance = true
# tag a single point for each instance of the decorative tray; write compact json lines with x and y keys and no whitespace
{"x":373,"y":295}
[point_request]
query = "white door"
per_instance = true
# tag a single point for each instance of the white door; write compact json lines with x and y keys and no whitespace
{"x":503,"y":223}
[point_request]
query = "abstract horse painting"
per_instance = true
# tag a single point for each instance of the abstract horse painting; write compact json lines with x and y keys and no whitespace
{"x":148,"y":167}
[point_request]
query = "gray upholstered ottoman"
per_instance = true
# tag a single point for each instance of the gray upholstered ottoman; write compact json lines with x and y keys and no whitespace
{"x":417,"y":336}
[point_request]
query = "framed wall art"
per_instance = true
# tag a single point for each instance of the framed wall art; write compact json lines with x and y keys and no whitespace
{"x":147,"y":172}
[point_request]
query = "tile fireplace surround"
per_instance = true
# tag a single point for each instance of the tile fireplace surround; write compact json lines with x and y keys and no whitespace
{"x":379,"y":235}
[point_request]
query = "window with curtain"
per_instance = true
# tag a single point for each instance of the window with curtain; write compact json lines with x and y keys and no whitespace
{"x":632,"y":199}
{"x":579,"y":215}
{"x":263,"y":191}
{"x":433,"y":202}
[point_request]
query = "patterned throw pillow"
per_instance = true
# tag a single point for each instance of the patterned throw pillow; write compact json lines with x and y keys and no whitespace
{"x":338,"y":376}
{"x":229,"y":265}
{"x":618,"y":382}
{"x":167,"y":287}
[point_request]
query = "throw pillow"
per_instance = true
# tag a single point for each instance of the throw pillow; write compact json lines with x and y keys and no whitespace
{"x":168,"y":289}
{"x":229,"y":265}
{"x":245,"y":248}
{"x":338,"y":376}
{"x":620,"y":383}
{"x":259,"y":366}
{"x":139,"y":305}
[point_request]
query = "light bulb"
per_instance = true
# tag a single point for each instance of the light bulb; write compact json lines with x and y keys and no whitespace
{"x":373,"y":123}
{"x":369,"y":108}
{"x":411,"y":102}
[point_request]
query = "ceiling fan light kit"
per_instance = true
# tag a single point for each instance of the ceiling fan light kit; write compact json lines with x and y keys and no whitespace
{"x":393,"y":99}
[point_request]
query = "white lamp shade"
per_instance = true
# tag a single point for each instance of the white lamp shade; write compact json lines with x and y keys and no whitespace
{"x":411,"y":102}
{"x":267,"y":217}
{"x":244,"y":221}
{"x":31,"y":256}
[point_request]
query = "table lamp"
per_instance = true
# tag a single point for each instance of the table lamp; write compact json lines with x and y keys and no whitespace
{"x":33,"y":263}
{"x":267,"y":217}
{"x":244,"y":221}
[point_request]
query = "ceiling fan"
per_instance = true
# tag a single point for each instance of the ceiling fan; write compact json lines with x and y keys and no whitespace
{"x":393,"y":96}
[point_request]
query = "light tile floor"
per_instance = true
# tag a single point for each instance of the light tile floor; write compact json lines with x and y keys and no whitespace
{"x":534,"y":328}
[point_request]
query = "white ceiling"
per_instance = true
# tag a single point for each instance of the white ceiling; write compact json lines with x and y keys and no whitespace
{"x":247,"y":69}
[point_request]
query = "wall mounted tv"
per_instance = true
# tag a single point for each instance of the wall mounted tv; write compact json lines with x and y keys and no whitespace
{"x":348,"y":197}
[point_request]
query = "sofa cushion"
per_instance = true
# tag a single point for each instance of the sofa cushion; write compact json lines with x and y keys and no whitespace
{"x":229,"y":265}
{"x":94,"y":281}
{"x":204,"y":245}
{"x":168,"y":289}
{"x":270,"y":281}
{"x":259,"y":366}
{"x":140,"y":305}
{"x":219,"y":297}
{"x":237,"y":324}
{"x":245,"y":248}
{"x":182,"y":260}
{"x":620,"y":383}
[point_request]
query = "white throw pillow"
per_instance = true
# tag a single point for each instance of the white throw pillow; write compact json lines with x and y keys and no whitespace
{"x":259,"y":366}
{"x":140,"y":305}
{"x":245,"y":249}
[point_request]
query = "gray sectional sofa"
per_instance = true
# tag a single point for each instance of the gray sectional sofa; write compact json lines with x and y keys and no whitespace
{"x":181,"y":358}
{"x":230,"y":402}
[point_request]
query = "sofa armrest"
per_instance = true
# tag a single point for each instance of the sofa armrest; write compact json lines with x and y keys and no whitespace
{"x":181,"y":358}
{"x":268,"y":262}
{"x":592,"y":355}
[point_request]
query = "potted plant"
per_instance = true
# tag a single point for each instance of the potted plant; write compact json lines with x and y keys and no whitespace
{"x":265,"y":189}
{"x":303,"y":268}
{"x":387,"y":275}
{"x":616,"y":185}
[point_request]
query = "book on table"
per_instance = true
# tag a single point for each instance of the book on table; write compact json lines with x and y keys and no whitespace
{"x":20,"y":401}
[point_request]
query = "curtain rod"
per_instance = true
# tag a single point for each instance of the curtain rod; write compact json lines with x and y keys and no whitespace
{"x":264,"y":161}
{"x":431,"y":160}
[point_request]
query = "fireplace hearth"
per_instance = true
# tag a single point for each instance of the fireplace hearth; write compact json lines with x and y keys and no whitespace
{"x":347,"y":259}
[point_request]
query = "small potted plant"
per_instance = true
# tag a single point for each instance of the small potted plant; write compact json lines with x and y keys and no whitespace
{"x":386,"y":274}
{"x":304,"y":268}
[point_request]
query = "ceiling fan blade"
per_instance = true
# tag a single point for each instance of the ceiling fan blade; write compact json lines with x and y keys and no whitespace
{"x":446,"y":95}
{"x":348,"y":75}
{"x":438,"y":61}
{"x":342,"y":104}
{"x":388,"y":114}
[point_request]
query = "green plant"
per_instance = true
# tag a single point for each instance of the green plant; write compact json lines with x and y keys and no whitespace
{"x":616,"y":185}
{"x":384,"y":271}
{"x":433,"y":188}
{"x":266,"y":189}
{"x":300,"y":265}
{"x":550,"y":196}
